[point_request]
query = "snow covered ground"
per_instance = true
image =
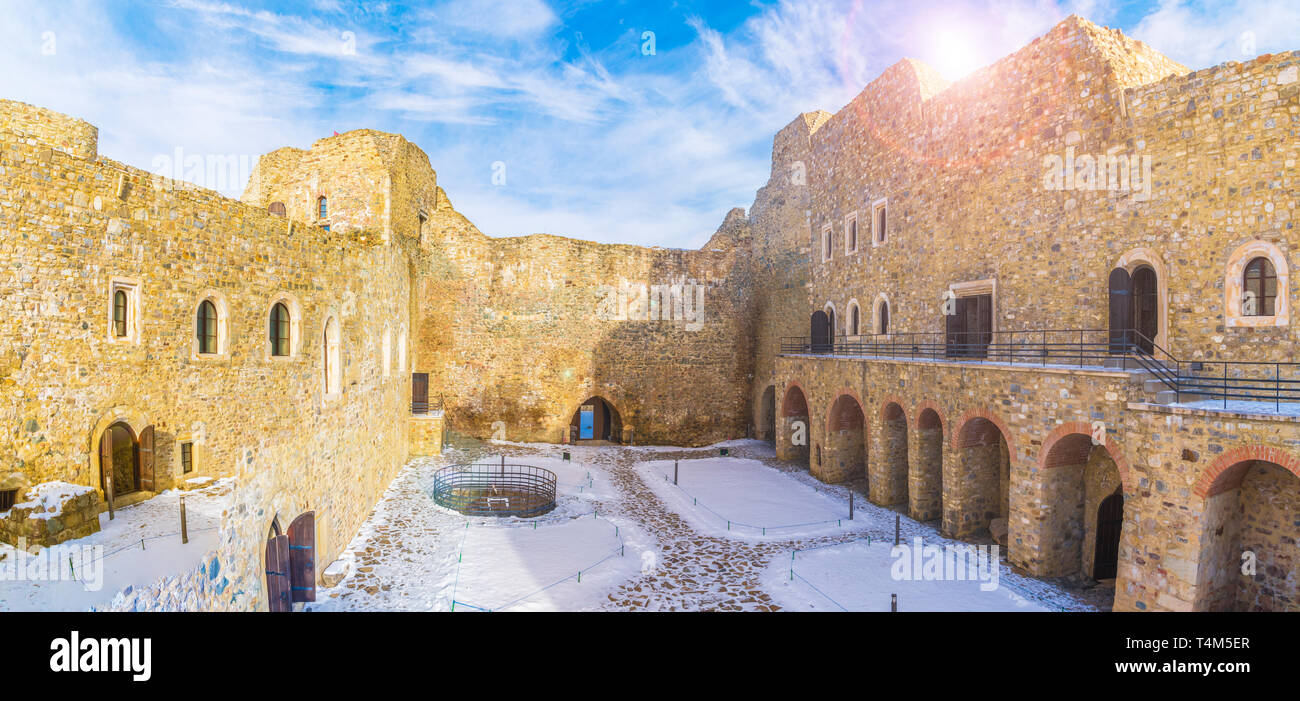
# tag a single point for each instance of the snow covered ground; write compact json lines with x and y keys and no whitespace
{"x":138,"y":547}
{"x":860,"y":576}
{"x":743,"y":498}
{"x":414,"y":555}
{"x":658,"y":548}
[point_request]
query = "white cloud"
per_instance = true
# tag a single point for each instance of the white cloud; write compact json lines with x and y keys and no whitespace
{"x":1207,"y":34}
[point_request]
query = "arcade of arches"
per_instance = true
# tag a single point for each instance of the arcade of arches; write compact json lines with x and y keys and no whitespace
{"x":1062,"y":499}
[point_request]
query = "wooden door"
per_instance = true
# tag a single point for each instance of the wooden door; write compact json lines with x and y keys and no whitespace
{"x":1110,"y":522}
{"x":1146,"y":305}
{"x":302,"y":558}
{"x":147,"y":462}
{"x":277,"y":574}
{"x":1121,"y":311}
{"x":419,"y":392}
{"x":820,"y":332}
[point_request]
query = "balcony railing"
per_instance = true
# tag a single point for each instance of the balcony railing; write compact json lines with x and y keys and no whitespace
{"x":1190,"y":381}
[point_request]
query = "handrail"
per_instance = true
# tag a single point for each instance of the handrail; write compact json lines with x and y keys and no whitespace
{"x":1196,"y":380}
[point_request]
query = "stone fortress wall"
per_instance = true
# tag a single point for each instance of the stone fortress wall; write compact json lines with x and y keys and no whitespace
{"x":1013,"y":450}
{"x":516,"y":333}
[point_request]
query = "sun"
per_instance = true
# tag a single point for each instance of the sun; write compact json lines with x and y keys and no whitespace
{"x":953,"y":53}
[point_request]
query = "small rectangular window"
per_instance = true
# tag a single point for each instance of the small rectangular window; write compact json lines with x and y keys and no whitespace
{"x":880,"y":223}
{"x":187,"y":457}
{"x":826,"y":244}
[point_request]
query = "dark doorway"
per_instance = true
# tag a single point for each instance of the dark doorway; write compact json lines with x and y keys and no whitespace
{"x":969,"y":331}
{"x":1120,"y":286}
{"x":767,"y":416}
{"x":119,"y":456}
{"x":821,"y":332}
{"x":1110,"y":521}
{"x":1146,"y":308}
{"x":595,"y":419}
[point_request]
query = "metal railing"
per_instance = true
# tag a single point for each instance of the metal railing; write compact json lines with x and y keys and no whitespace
{"x":495,"y":490}
{"x":1273,"y":382}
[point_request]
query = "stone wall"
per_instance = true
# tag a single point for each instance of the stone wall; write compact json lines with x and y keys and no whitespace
{"x":71,"y":227}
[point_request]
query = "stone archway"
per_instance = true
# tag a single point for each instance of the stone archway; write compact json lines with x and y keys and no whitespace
{"x":596,"y":419}
{"x":891,"y":478}
{"x":1248,"y":557}
{"x":792,"y":433}
{"x":1076,"y":535}
{"x":119,"y":452}
{"x":977,"y":498}
{"x":926,"y":488}
{"x":845,"y":454}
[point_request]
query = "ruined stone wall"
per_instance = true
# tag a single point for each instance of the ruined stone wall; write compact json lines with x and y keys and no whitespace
{"x":68,"y":228}
{"x":963,"y":172}
{"x":512,"y":331}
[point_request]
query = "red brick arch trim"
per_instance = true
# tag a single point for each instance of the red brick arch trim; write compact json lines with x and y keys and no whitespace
{"x":927,"y":404}
{"x":1075,"y":428}
{"x":785,"y":398}
{"x":894,"y":399}
{"x":830,"y":408}
{"x":1219,"y":476}
{"x":983,"y":413}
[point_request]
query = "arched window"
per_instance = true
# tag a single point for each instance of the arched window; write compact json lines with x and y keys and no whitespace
{"x":853,"y":319}
{"x":1259,"y":288}
{"x":119,"y":313}
{"x":322,"y":207}
{"x":206,"y":327}
{"x":277,"y":209}
{"x":279,"y":330}
{"x":332,"y":375}
{"x":882,"y":316}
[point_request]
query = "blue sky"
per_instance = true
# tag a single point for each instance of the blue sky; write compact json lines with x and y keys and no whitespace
{"x":599,"y":139}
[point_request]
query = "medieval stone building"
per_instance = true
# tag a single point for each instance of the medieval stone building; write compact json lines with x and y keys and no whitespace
{"x":1047,"y":304}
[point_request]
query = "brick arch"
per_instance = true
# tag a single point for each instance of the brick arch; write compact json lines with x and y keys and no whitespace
{"x":1220,"y":476}
{"x":846,"y":392}
{"x":785,"y":399}
{"x":894,"y":399}
{"x":984,"y":413}
{"x":1075,"y":428}
{"x":927,"y":404}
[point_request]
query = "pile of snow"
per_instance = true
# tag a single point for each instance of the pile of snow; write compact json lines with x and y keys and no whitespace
{"x":46,"y":500}
{"x":743,"y":498}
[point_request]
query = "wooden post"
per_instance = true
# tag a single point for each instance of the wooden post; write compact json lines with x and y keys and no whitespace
{"x":898,"y":521}
{"x":185,"y":532}
{"x":893,"y":602}
{"x":850,"y":506}
{"x":674,"y":473}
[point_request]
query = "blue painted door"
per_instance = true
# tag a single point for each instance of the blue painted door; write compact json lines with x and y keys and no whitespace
{"x":587,"y":422}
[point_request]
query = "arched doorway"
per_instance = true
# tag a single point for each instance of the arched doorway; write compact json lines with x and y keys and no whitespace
{"x":927,"y":490}
{"x":1134,"y":307}
{"x":981,"y":490}
{"x":792,"y":434}
{"x":1248,"y":533}
{"x":119,"y":456}
{"x":893,"y":439}
{"x":845,"y":454}
{"x":1082,"y":509}
{"x":767,"y":415}
{"x":1110,"y":525}
{"x":596,"y":420}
